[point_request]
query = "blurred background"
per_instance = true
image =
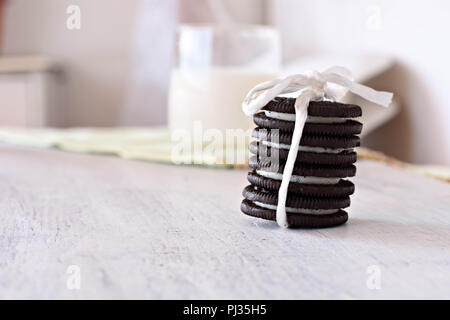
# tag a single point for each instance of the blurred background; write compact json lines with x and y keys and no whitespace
{"x":97,"y":63}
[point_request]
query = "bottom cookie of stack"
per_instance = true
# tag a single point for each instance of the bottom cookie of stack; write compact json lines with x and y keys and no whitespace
{"x":304,"y":212}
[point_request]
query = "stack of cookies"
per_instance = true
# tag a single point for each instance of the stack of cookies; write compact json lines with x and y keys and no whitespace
{"x":318,"y":189}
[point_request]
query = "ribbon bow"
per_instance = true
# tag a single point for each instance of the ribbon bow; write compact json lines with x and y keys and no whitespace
{"x":331,"y":84}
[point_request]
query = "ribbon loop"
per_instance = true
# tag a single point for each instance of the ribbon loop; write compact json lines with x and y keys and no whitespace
{"x":261,"y":94}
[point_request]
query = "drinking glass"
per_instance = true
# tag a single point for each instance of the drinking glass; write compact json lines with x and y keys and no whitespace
{"x":215,"y":67}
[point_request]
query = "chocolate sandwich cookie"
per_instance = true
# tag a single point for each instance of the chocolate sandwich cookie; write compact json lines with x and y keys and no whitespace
{"x":296,"y":220}
{"x":324,"y":117}
{"x":310,"y":204}
{"x":339,"y":188}
{"x":303,"y":211}
{"x":342,"y":128}
{"x":282,"y":140}
{"x":326,"y":109}
{"x":305,"y":173}
{"x":345,"y":157}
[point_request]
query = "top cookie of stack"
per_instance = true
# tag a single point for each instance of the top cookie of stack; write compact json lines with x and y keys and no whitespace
{"x":317,"y":189}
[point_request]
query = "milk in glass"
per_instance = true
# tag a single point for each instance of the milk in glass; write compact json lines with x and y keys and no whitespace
{"x":212,"y":96}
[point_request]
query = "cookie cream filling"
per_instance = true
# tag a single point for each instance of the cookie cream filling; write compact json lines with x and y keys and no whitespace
{"x":309,"y":119}
{"x":305,"y":148}
{"x":298,"y":179}
{"x":296,"y":210}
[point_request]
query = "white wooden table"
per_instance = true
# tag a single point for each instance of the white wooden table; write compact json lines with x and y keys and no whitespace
{"x":143,"y":230}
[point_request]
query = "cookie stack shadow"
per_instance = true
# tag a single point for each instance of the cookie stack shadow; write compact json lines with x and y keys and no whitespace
{"x":319,"y":189}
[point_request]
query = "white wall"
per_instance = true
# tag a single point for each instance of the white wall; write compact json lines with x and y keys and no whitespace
{"x":95,"y":58}
{"x":118,"y":65}
{"x":416,"y":33}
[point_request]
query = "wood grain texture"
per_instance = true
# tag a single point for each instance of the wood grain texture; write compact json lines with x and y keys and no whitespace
{"x":144,"y":230}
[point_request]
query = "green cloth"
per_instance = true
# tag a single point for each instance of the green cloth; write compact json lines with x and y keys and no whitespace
{"x":152,"y":144}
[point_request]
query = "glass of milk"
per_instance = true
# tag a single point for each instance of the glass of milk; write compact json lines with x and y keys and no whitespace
{"x":216,"y":65}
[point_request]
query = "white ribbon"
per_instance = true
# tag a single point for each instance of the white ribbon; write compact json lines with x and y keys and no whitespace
{"x":331,"y":84}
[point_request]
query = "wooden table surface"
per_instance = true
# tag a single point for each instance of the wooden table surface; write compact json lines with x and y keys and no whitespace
{"x":143,"y":230}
